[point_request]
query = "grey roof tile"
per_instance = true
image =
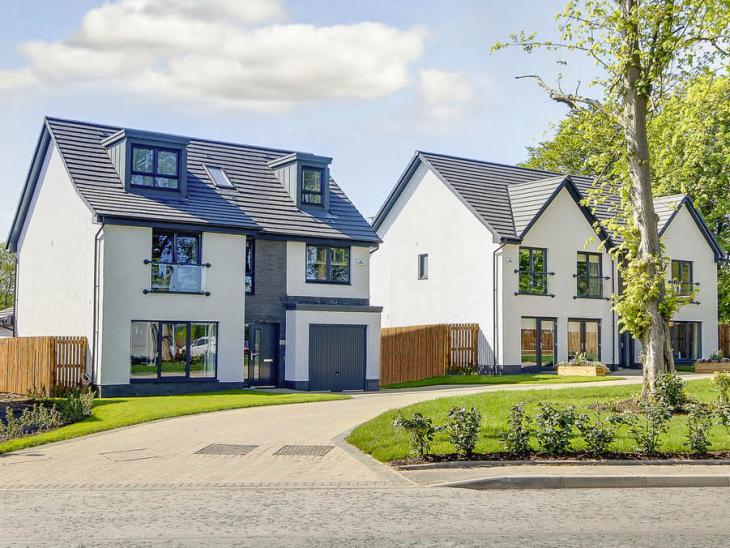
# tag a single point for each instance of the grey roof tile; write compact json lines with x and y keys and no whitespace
{"x":257,"y":201}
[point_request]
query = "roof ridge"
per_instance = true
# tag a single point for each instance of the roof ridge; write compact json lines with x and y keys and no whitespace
{"x":490,"y":163}
{"x":199,"y":139}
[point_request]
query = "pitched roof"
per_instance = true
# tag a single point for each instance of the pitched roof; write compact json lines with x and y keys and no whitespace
{"x":509,"y":199}
{"x":257,"y":202}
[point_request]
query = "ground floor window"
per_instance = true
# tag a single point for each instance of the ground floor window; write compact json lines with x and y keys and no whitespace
{"x":686,"y":337}
{"x":538,"y":342}
{"x":173,"y":350}
{"x":584,"y":337}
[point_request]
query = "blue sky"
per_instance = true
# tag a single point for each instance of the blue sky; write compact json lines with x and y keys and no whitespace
{"x":364,"y":82}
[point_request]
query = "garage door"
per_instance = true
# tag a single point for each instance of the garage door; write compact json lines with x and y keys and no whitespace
{"x":337,"y":357}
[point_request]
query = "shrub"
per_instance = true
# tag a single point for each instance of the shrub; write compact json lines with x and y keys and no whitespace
{"x":421,"y":431}
{"x":699,"y":423}
{"x":722,"y":412}
{"x":669,"y":390}
{"x":721,"y":381}
{"x":76,"y":405}
{"x":463,"y":428}
{"x":517,"y":437}
{"x":646,"y":426}
{"x":597,"y":434}
{"x":38,"y":418}
{"x":554,"y":428}
{"x":717,"y":356}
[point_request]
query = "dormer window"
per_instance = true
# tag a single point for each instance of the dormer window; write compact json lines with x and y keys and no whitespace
{"x":155,"y":167}
{"x":312,"y":188}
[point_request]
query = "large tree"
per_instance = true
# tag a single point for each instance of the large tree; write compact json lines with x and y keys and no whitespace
{"x":689,"y":147}
{"x":642,"y":48}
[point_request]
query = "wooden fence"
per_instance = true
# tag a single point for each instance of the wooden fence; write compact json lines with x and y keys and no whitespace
{"x":41,"y":363}
{"x":421,"y":351}
{"x":724,"y":338}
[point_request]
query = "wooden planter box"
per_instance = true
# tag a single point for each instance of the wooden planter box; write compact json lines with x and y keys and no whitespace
{"x":582,"y":370}
{"x":711,"y":367}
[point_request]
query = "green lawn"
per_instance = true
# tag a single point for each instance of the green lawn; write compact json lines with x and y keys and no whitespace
{"x":537,"y":378}
{"x":685,"y":368}
{"x":380,"y":439}
{"x":109,"y":413}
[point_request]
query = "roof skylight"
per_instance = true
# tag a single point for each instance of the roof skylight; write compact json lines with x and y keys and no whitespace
{"x":219,"y":177}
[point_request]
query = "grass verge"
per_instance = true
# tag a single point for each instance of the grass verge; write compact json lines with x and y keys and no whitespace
{"x":110,"y":413}
{"x":380,"y":439}
{"x":536,"y":378}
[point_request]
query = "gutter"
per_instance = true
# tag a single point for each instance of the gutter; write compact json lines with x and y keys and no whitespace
{"x":495,"y":286}
{"x":15,"y":298}
{"x":95,"y":312}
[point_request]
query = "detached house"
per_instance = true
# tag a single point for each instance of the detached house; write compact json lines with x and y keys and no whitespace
{"x":192,"y":264}
{"x":513,"y":250}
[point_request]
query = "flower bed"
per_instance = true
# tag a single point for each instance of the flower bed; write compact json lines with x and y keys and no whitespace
{"x":581,"y":366}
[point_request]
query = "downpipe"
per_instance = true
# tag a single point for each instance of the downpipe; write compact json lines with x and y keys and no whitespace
{"x":495,"y":310}
{"x":95,"y":311}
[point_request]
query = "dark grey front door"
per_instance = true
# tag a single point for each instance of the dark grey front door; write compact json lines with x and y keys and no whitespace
{"x":337,"y":356}
{"x":263,"y":356}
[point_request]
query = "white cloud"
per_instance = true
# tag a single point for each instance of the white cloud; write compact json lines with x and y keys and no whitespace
{"x":217,"y":51}
{"x":445,"y":95}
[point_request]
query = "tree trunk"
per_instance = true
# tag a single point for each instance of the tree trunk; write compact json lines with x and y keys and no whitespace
{"x":656,"y":352}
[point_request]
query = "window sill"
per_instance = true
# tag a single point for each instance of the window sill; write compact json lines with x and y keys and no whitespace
{"x":164,"y":292}
{"x":519,"y":293}
{"x":327,"y":282}
{"x":596,"y":298}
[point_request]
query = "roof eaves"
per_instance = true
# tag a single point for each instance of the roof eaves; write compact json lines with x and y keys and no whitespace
{"x":396,"y":191}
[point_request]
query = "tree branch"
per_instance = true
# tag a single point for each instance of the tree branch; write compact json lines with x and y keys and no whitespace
{"x":573,"y":100}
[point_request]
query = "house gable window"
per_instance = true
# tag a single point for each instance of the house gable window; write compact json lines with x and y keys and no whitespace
{"x":589,"y":275}
{"x":423,"y":266}
{"x":328,"y":264}
{"x":250,"y":266}
{"x":175,"y":262}
{"x":312,"y":186}
{"x":682,"y":277}
{"x":155,"y":167}
{"x":533,"y":271}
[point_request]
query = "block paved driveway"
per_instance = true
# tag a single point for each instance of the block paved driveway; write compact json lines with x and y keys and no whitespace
{"x":163,"y":453}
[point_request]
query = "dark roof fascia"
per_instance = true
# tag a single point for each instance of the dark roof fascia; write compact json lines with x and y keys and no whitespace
{"x":460,"y":197}
{"x":333,"y":307}
{"x":701,"y":224}
{"x":145,"y":136}
{"x":314,"y":240}
{"x":194,"y":227}
{"x":299,"y":157}
{"x":31,"y":181}
{"x":575,"y":193}
{"x":397,"y":190}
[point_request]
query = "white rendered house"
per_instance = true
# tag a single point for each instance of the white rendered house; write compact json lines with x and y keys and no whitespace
{"x":194,"y":265}
{"x":513,"y":250}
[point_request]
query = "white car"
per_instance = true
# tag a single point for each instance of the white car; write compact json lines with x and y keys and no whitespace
{"x":201,"y":346}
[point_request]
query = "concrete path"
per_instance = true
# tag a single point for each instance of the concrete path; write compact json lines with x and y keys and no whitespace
{"x":163,"y":453}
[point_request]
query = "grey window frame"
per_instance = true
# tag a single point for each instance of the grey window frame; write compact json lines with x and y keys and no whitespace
{"x":252,"y":272}
{"x":154,"y":174}
{"x":583,"y":322}
{"x":188,"y":344}
{"x":531,"y":272}
{"x":587,"y":278}
{"x":679,"y":283}
{"x":303,"y":193}
{"x":423,"y":266}
{"x":328,"y":268}
{"x":175,"y":262}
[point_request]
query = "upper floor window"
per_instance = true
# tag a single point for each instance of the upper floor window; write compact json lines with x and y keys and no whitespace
{"x":312,"y":186}
{"x":328,"y":264}
{"x":176,"y":261}
{"x":589,"y":275}
{"x":533,"y":271}
{"x":423,"y":266}
{"x":155,"y":167}
{"x":250,"y":265}
{"x":682,"y":277}
{"x":219,"y":176}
